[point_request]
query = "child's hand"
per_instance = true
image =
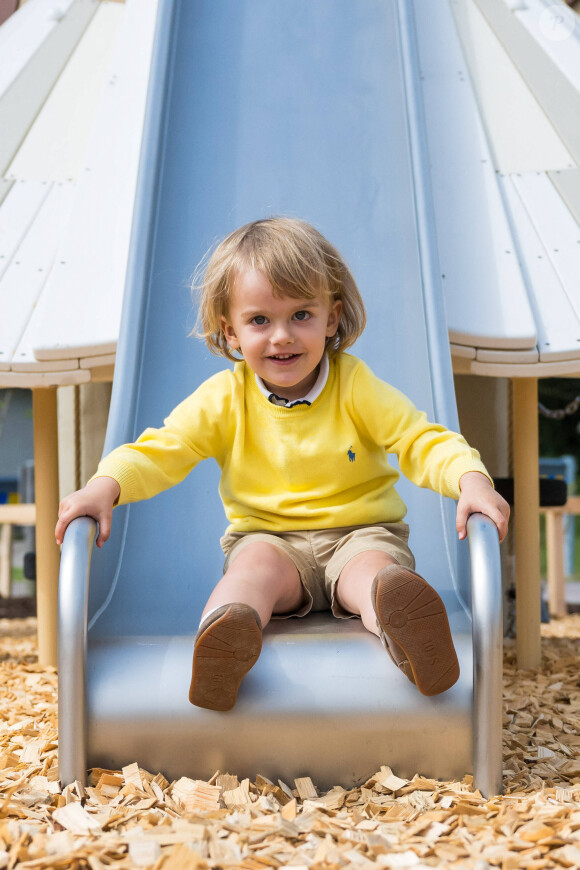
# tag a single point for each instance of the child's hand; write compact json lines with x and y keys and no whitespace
{"x":97,"y":500}
{"x":479,"y":497}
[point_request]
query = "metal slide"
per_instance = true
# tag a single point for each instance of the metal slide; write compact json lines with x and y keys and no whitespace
{"x":310,"y":110}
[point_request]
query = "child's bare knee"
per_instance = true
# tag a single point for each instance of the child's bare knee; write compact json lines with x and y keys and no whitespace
{"x":260,"y":558}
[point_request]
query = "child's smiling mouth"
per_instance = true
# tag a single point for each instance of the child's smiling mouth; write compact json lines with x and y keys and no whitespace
{"x":284,"y":357}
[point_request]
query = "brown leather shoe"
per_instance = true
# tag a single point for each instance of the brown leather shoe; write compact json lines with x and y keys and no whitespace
{"x":414,"y":629}
{"x":227,"y":646}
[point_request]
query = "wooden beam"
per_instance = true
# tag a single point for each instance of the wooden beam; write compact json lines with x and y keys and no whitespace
{"x":5,"y":560}
{"x":527,"y":526}
{"x":555,"y":552}
{"x":44,"y":406}
{"x":572,"y":505}
{"x":18,"y":514}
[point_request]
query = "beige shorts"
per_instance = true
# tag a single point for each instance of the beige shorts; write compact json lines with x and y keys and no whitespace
{"x":321,"y":554}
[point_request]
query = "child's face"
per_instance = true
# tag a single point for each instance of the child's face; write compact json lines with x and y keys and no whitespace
{"x":281,"y":339}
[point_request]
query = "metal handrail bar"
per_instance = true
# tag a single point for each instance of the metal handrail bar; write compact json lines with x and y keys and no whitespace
{"x":486,"y":597}
{"x":73,"y":596}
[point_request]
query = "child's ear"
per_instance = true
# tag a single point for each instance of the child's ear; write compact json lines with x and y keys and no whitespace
{"x":228,"y":331}
{"x":333,"y":318}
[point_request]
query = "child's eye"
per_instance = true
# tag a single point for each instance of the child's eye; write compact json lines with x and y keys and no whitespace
{"x":302,"y":315}
{"x":258,"y":320}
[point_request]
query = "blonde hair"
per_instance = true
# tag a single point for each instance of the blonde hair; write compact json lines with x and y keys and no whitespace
{"x":297,"y":261}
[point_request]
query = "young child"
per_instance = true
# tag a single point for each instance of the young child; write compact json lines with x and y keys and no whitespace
{"x":301,"y":431}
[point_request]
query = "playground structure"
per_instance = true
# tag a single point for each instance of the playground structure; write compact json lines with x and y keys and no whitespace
{"x":140,"y":628}
{"x":447,"y":209}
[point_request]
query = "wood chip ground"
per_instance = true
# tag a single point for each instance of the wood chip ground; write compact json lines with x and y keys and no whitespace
{"x":135,"y":818}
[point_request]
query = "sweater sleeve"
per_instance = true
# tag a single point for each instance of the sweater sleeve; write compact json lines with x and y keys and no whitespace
{"x":429,"y":454}
{"x":196,"y":429}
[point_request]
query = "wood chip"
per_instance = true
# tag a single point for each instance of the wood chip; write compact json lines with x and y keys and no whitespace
{"x":132,"y":776}
{"x":195,"y":794}
{"x":388,"y":780}
{"x":227,"y":782}
{"x":133,"y":818}
{"x":305,"y":788}
{"x":286,"y":789}
{"x":277,"y":794}
{"x":75,"y":818}
{"x":143,"y":853}
{"x":160,"y":781}
{"x":567,"y":856}
{"x":238,"y":797}
{"x":544,"y":752}
{"x":182,"y":858}
{"x":289,"y":810}
{"x":534,"y":831}
{"x":110,"y":784}
{"x":333,"y":800}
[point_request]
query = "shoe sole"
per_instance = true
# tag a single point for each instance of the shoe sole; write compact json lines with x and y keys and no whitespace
{"x":223,"y":655}
{"x":413,"y":615}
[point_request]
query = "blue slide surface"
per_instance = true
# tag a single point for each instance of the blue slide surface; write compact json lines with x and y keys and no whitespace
{"x":308,"y":109}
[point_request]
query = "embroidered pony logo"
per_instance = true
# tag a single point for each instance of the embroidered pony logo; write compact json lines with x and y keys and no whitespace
{"x":351,"y":454}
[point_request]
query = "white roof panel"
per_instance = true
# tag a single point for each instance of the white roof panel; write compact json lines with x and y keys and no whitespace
{"x":56,"y":143}
{"x":102,"y":210}
{"x":23,"y":33}
{"x":557,"y":228}
{"x":520,"y":133}
{"x":485,"y":296}
{"x":557,"y":318}
{"x":17,"y":213}
{"x":30,"y":264}
{"x":557,"y":29}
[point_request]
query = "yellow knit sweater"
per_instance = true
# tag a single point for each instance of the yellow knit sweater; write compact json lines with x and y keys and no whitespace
{"x":307,"y":467}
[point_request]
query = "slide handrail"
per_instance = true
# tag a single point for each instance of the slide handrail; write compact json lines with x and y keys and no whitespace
{"x":73,"y":599}
{"x":487,"y":638}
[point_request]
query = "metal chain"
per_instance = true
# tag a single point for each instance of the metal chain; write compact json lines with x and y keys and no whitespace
{"x":560,"y":413}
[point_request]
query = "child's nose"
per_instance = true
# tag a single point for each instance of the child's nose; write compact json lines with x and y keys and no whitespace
{"x":283,"y":333}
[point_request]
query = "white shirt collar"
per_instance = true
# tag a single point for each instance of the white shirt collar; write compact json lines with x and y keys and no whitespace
{"x":310,"y":396}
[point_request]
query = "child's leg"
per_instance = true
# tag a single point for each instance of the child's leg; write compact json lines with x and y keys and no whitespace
{"x":262,"y":576}
{"x":260,"y":580}
{"x":353,"y":589}
{"x":406,"y":613}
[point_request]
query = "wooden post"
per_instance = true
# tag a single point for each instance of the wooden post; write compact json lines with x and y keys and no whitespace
{"x":555,"y":551}
{"x":11,"y":514}
{"x":44,"y":407}
{"x":527,"y":522}
{"x":5,"y":559}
